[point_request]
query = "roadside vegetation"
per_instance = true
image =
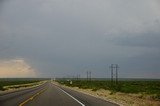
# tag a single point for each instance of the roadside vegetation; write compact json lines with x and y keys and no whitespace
{"x":151,"y":88}
{"x":6,"y":84}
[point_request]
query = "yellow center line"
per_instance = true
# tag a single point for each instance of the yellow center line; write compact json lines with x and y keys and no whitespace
{"x":32,"y":97}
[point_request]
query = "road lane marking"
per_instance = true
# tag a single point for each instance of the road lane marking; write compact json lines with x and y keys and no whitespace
{"x":72,"y":97}
{"x":32,"y":97}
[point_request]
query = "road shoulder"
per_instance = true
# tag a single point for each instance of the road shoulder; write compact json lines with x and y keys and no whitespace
{"x":121,"y":99}
{"x":85,"y":91}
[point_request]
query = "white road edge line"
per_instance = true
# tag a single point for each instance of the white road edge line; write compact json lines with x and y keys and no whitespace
{"x":72,"y":97}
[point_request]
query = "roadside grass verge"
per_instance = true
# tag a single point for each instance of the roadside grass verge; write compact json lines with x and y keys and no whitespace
{"x":14,"y":84}
{"x":150,"y":88}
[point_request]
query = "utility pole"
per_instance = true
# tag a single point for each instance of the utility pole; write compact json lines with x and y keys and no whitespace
{"x":114,"y":73}
{"x":78,"y":76}
{"x":87,"y":75}
{"x":90,"y":77}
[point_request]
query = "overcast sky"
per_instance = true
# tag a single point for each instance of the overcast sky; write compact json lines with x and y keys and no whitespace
{"x":68,"y":37}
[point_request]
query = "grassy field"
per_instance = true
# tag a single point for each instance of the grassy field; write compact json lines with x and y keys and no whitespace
{"x":144,"y":87}
{"x":9,"y":82}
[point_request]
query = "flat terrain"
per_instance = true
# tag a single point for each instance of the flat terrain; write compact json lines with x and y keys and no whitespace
{"x":126,"y":92}
{"x":49,"y":94}
{"x":146,"y":87}
{"x":16,"y":83}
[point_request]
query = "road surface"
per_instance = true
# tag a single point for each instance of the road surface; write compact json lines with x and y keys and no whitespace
{"x":49,"y":94}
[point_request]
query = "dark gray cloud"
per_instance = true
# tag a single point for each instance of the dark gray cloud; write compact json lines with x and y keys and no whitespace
{"x":59,"y":37}
{"x":146,"y":39}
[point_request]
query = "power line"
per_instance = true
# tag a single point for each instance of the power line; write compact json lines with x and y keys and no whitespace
{"x":114,"y":73}
{"x":89,"y":75}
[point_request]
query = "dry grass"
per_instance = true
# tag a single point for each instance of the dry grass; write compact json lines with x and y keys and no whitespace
{"x":14,"y":88}
{"x":19,"y":86}
{"x":123,"y":99}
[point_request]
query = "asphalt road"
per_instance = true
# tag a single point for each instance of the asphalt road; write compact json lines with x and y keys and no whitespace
{"x":49,"y":94}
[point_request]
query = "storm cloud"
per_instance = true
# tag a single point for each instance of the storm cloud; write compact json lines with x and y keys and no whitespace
{"x":63,"y":38}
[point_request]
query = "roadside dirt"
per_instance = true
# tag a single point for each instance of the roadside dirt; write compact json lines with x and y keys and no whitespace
{"x":123,"y":99}
{"x":20,"y":88}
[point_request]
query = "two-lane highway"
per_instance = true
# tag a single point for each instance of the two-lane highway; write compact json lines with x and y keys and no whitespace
{"x":15,"y":98}
{"x":51,"y":95}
